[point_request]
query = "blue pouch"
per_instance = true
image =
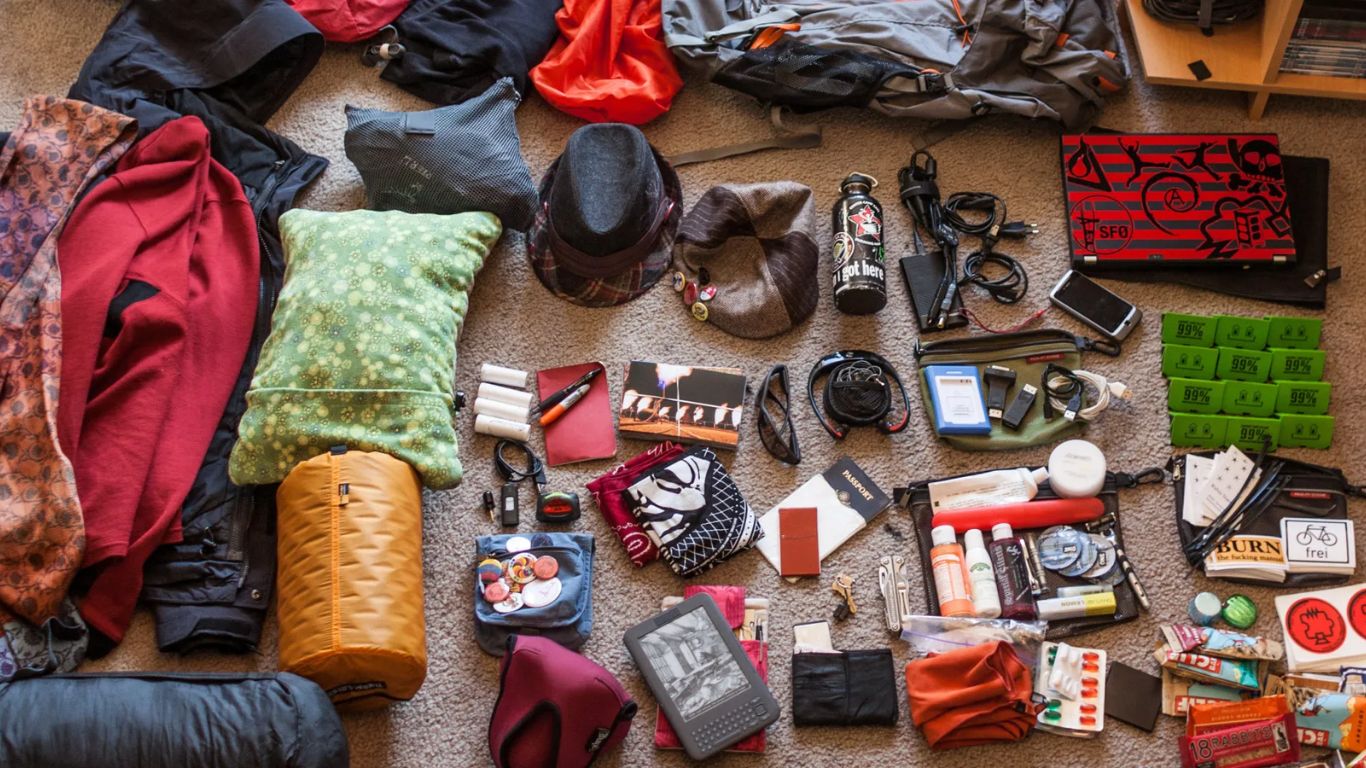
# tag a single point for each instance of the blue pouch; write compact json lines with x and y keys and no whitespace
{"x":567,"y":620}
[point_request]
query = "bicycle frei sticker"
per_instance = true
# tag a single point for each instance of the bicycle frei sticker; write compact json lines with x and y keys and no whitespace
{"x":1311,"y":543}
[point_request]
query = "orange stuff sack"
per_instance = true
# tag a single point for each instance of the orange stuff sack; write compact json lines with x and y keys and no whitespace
{"x":350,"y":577}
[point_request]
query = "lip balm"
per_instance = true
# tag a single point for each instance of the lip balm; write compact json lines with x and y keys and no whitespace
{"x":1076,"y":607}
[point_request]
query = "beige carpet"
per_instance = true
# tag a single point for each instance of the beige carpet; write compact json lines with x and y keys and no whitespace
{"x":514,"y":321}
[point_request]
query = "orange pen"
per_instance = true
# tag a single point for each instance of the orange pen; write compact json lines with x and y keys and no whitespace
{"x":556,"y":412}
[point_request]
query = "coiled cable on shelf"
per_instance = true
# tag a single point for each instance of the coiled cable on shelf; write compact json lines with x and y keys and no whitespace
{"x":1203,"y":13}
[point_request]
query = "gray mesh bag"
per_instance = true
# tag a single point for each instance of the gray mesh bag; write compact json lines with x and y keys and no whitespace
{"x":464,"y":157}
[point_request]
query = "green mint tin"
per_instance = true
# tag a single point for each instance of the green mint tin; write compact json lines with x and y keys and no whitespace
{"x":1185,"y":362}
{"x":1195,"y":396}
{"x":1246,"y":398}
{"x":1303,"y":397}
{"x":1243,"y":364}
{"x":1241,"y":332}
{"x":1291,"y":332}
{"x":1250,"y":433}
{"x":1297,"y":364}
{"x":1191,"y":330}
{"x":1299,"y":431}
{"x":1190,"y":430}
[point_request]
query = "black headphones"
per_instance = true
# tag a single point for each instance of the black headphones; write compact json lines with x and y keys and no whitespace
{"x":858,"y":393}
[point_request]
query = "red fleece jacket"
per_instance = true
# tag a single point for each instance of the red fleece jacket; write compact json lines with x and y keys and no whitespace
{"x":160,"y":267}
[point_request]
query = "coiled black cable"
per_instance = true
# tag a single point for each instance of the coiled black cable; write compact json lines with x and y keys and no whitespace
{"x":1203,"y":13}
{"x":1006,"y":289}
{"x":534,"y":469}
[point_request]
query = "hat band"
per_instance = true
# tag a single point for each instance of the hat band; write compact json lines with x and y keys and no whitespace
{"x":609,"y":264}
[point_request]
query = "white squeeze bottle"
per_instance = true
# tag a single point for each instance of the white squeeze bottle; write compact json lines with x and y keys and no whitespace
{"x":985,"y":602}
{"x":986,"y":489}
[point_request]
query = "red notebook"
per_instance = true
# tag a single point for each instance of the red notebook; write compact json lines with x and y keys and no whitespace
{"x":585,"y":431}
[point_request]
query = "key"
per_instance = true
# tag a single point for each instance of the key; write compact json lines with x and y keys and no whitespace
{"x":843,"y":586}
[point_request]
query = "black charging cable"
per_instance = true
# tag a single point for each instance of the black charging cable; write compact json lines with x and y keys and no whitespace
{"x":976,"y":214}
{"x":1059,"y":382}
{"x":533,"y":469}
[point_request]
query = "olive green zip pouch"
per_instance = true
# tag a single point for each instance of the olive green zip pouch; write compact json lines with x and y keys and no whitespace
{"x":1027,"y":354}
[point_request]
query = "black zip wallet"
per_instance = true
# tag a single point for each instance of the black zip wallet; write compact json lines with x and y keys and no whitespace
{"x":844,"y":688}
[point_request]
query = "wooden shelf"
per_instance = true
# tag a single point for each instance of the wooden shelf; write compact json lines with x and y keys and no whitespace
{"x":1319,"y":85}
{"x":1240,"y":57}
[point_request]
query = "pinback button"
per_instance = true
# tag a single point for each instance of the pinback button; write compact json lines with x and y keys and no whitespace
{"x":496,"y":592}
{"x":546,"y":567}
{"x":690,"y":292}
{"x":539,"y":594}
{"x":489,"y":571}
{"x":700,"y":312}
{"x":522,"y":567}
{"x":518,"y":544}
{"x":512,"y":603}
{"x":707,"y":293}
{"x":679,"y":280}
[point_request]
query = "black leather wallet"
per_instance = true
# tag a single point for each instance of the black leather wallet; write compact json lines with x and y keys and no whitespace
{"x":845,"y":688}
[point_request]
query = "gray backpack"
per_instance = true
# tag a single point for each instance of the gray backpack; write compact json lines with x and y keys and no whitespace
{"x":931,"y":59}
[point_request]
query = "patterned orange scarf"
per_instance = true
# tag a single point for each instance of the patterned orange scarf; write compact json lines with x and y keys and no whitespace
{"x":58,"y":148}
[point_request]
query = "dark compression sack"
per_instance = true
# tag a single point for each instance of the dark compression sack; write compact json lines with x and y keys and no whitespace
{"x":172,"y":720}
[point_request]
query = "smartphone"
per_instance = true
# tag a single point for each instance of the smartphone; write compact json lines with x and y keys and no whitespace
{"x":1089,"y":302}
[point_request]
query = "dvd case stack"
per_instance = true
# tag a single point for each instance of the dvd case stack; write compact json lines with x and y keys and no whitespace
{"x":1329,"y":39}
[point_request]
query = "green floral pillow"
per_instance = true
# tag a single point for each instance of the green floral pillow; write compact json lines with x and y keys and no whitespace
{"x":361,"y":349}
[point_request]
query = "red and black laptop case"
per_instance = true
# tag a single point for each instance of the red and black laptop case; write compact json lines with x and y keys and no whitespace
{"x":1176,"y":200}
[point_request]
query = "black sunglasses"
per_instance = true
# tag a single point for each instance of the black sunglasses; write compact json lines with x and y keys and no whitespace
{"x":774,"y":405}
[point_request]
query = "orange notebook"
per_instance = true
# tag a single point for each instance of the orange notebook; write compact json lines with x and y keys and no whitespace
{"x":799,"y":548}
{"x":585,"y":431}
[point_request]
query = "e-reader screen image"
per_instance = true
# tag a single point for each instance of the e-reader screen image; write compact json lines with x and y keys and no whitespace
{"x":694,"y":663}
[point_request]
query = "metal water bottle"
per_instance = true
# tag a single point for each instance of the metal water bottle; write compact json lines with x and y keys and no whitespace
{"x":860,"y":271}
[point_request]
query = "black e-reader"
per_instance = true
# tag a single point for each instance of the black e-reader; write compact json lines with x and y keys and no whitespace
{"x":705,"y":684}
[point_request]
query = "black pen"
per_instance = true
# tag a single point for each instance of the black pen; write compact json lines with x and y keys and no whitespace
{"x":560,"y":394}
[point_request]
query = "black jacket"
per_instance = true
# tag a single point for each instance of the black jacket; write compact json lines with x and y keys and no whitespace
{"x":170,"y":720}
{"x":456,"y":49}
{"x":231,"y":63}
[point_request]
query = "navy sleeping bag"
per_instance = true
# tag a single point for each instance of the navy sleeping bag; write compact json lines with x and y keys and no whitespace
{"x":172,"y":720}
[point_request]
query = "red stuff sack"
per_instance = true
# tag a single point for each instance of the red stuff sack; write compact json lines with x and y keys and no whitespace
{"x":555,"y":707}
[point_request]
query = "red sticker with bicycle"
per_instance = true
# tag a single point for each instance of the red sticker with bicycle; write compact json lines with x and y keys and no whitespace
{"x":1356,"y":612}
{"x":1316,"y":626}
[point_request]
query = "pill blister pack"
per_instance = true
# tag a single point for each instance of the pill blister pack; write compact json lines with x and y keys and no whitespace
{"x":1071,"y":684}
